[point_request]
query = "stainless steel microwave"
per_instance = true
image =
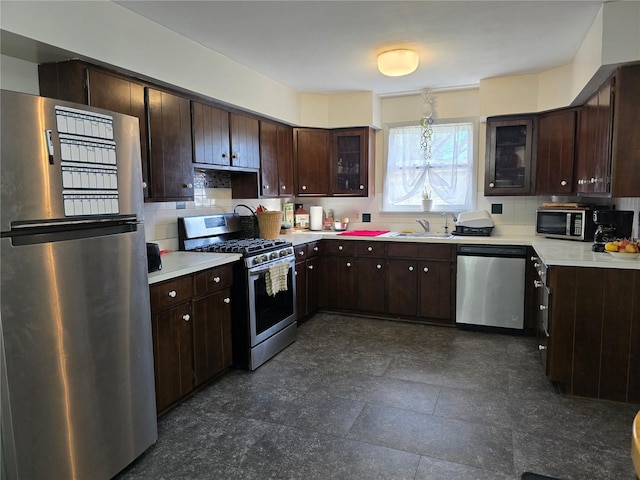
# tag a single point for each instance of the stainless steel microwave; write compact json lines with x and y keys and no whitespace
{"x":569,"y":224}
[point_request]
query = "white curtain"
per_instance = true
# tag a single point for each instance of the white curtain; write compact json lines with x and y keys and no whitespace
{"x":446,"y":174}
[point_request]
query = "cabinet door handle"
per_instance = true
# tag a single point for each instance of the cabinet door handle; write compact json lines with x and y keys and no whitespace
{"x":340,"y":247}
{"x":227,"y":300}
{"x":301,"y":252}
{"x":173,"y":294}
{"x":534,"y":259}
{"x":186,"y":317}
{"x":543,"y":308}
{"x":266,"y":187}
{"x":144,"y":184}
{"x":536,"y":264}
{"x":283,"y":187}
{"x":563,"y":183}
{"x":216,"y":279}
{"x":315,"y":249}
{"x":369,"y":249}
{"x":411,"y":269}
{"x":310,"y":267}
{"x":304,"y":187}
{"x":541,"y":347}
{"x":378,"y":266}
{"x":491,"y":184}
{"x":425,"y":269}
{"x":348,"y":264}
{"x":224,"y":155}
{"x":187,"y":185}
{"x":361,"y":187}
{"x":537,"y":283}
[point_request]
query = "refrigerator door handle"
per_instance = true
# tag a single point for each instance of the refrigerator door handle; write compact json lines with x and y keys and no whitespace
{"x":48,"y":139}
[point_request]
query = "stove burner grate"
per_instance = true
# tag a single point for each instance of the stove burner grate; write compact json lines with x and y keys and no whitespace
{"x":246,"y":246}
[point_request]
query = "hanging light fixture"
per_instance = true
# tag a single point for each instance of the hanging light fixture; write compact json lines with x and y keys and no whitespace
{"x":426,"y":122}
{"x":396,"y":63}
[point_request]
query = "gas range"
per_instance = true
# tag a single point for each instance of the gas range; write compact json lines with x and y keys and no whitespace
{"x":220,"y":234}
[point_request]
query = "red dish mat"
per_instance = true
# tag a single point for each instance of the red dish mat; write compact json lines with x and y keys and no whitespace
{"x":364,"y":233}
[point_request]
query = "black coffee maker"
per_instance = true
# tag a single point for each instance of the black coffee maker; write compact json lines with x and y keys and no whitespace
{"x":612,"y":225}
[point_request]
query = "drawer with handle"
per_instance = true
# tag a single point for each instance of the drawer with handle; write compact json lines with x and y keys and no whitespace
{"x":170,"y":293}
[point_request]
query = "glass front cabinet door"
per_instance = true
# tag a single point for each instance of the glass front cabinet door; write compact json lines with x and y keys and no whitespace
{"x":350,"y":153}
{"x":510,"y":155}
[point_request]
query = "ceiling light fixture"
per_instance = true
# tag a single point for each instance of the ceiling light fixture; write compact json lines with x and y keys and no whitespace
{"x":396,"y":63}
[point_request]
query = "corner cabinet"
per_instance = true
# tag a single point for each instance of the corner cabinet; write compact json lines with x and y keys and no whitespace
{"x":510,"y":155}
{"x":276,"y":160}
{"x":608,"y":140}
{"x":352,"y":166}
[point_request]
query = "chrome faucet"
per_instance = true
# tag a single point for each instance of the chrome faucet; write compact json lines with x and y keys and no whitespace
{"x":446,"y":220}
{"x":423,"y":223}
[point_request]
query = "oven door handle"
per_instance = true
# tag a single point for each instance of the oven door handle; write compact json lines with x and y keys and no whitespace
{"x":260,"y":270}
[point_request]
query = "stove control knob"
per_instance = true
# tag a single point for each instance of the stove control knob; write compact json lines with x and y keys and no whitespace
{"x":257,"y":259}
{"x":283,"y":252}
{"x":273,"y":255}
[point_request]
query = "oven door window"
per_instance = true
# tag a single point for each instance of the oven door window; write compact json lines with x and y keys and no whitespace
{"x":270,"y":311}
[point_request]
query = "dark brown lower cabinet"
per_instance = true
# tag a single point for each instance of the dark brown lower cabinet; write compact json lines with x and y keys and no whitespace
{"x":173,"y":354}
{"x":594,"y":322}
{"x":394,"y":279}
{"x":191,"y":329}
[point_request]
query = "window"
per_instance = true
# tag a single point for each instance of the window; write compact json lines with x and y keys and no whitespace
{"x":448,"y":175}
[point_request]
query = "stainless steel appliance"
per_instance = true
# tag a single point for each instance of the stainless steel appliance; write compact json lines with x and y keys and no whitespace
{"x":612,"y":225}
{"x":566,"y":223}
{"x":490,"y":286}
{"x":264,"y":321}
{"x":78,"y":395}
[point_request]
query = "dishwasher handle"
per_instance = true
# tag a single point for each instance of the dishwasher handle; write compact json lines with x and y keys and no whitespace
{"x":511,"y":251}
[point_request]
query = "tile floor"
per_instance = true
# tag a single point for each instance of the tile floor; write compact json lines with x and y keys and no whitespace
{"x":358,"y":398}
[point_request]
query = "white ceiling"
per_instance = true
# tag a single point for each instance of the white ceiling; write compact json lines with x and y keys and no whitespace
{"x":331,"y":46}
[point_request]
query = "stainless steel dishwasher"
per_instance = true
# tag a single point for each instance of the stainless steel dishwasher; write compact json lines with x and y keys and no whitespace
{"x":490,"y":285}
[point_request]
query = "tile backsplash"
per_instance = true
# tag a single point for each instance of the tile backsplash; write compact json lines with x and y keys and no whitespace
{"x":212,"y":195}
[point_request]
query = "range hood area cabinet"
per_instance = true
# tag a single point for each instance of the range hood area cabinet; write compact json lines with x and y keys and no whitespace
{"x":608,"y":157}
{"x":336,"y":162}
{"x":166,"y":151}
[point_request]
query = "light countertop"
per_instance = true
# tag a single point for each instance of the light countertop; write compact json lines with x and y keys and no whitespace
{"x":177,"y":264}
{"x":551,"y":252}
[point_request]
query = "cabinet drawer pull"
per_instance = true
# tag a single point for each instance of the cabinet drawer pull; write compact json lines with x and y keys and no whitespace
{"x":187,"y":185}
{"x":304,"y":187}
{"x":543,"y":307}
{"x":411,"y":269}
{"x":378,"y":266}
{"x":348,"y":264}
{"x":227,"y":300}
{"x":541,"y":347}
{"x":224,"y":155}
{"x":186,"y":317}
{"x":173,"y":294}
{"x":425,"y":269}
{"x":536,"y":264}
{"x":563,"y":183}
{"x":315,"y":249}
{"x":340,"y":247}
{"x":310,"y":267}
{"x":537,"y":283}
{"x":369,"y":249}
{"x":301,"y":252}
{"x":216,"y":279}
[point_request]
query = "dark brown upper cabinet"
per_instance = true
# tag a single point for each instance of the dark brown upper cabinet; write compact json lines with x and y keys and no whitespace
{"x":311,"y":152}
{"x":510,"y":155}
{"x":170,"y":147}
{"x":556,"y":152}
{"x":351,"y":165}
{"x":276,"y":160}
{"x":210,"y":127}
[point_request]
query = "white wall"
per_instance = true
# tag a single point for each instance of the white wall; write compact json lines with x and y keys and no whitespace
{"x":18,"y":75}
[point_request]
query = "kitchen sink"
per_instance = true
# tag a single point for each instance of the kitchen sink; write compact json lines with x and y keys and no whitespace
{"x":419,"y":235}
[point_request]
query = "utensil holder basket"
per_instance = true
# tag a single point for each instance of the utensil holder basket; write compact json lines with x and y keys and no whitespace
{"x":269,"y":223}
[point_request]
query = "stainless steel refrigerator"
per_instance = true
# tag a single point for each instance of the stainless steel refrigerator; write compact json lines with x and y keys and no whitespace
{"x":76,"y":364}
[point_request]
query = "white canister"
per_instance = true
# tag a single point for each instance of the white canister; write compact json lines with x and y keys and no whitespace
{"x":315,"y":217}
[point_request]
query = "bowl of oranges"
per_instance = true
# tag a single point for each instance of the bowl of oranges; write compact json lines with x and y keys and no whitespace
{"x":623,"y":249}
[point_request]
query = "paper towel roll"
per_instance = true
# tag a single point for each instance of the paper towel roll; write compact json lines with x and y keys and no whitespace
{"x":315,"y":217}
